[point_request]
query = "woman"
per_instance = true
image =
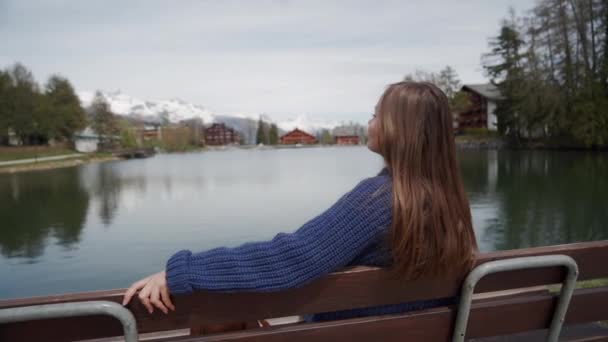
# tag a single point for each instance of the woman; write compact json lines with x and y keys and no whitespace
{"x":413,"y":217}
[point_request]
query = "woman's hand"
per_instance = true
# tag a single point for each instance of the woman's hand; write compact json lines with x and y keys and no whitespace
{"x":154,"y":291}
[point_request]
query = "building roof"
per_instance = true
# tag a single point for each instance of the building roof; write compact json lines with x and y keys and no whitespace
{"x":487,"y":90}
{"x":344,"y":131}
{"x":221,"y":125}
{"x":87,"y":133}
{"x":297,"y":131}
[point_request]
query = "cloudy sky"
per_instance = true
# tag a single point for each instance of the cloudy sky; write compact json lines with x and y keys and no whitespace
{"x":327,"y":59}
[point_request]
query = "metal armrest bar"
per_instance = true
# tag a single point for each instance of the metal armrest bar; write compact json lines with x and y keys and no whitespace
{"x":34,"y":312}
{"x":482,"y":270}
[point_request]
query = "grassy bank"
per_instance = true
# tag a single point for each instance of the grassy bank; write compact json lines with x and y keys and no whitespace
{"x":17,"y":153}
{"x":584,"y":284}
{"x":56,"y":164}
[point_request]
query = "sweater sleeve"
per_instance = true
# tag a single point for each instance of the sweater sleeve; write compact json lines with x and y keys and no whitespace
{"x":324,"y":244}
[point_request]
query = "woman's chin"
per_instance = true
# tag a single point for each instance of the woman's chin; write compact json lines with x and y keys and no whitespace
{"x":372,"y":148}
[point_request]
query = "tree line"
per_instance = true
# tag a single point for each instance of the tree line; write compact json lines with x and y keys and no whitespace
{"x":34,"y":114}
{"x":448,"y":81}
{"x":37,"y":115}
{"x":267,"y":134}
{"x":551,"y":67}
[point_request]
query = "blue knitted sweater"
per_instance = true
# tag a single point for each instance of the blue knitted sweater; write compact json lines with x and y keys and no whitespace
{"x":351,"y":232}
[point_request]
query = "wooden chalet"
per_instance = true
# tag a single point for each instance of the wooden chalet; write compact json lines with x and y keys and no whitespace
{"x":297,"y":136}
{"x":145,"y":129}
{"x":482,"y":110}
{"x":220,"y":134}
{"x":150,"y":131}
{"x":346,"y":136}
{"x":347,"y":140}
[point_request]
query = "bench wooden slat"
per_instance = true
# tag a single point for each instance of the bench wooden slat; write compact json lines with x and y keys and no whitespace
{"x":501,"y":317}
{"x":359,"y":287}
{"x":592,"y":339}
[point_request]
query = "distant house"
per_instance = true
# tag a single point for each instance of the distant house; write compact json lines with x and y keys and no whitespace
{"x":13,"y":139}
{"x":144,"y":129}
{"x":86,"y":140}
{"x":347,"y":140}
{"x":482,"y":110}
{"x":150,"y":131}
{"x":297,"y":137}
{"x":220,"y":134}
{"x":346,"y":136}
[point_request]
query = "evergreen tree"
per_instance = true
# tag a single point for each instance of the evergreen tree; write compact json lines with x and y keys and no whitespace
{"x":24,"y":112}
{"x":103,"y":121}
{"x":505,"y":70}
{"x":64,"y":114}
{"x":273,"y":135}
{"x":261,"y":137}
{"x":551,"y":69}
{"x":326,"y":138}
{"x":36,"y":117}
{"x":5,"y":112}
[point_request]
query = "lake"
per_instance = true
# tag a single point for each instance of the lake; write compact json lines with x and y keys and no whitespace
{"x":103,"y":226}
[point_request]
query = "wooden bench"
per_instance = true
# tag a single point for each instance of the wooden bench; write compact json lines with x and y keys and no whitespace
{"x":490,"y":315}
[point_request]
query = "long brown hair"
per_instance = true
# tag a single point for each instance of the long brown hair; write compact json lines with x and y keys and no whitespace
{"x":431,"y":231}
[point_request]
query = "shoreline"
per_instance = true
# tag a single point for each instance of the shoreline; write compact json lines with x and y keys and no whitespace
{"x":50,"y":165}
{"x":466,"y":143}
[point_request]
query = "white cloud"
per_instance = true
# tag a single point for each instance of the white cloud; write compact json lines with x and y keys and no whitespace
{"x":329,"y":60}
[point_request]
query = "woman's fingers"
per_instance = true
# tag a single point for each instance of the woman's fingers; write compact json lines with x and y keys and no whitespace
{"x":144,"y":297}
{"x":164,"y":292}
{"x":133,"y":289}
{"x":153,"y":292}
{"x":155,"y":299}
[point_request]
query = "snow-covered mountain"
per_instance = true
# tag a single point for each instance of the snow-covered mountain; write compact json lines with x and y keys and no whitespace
{"x":176,"y":110}
{"x":307,"y":124}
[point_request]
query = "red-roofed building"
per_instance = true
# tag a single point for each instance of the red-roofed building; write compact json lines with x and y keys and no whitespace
{"x":220,"y":134}
{"x":347,"y":140}
{"x":297,"y":137}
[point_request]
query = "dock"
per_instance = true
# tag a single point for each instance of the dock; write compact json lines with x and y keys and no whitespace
{"x":130,"y":153}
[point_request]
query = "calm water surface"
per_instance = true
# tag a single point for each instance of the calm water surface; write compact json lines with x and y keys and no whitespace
{"x":102,"y":226}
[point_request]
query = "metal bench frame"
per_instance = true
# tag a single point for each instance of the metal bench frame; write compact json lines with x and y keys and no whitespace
{"x":46,"y":311}
{"x":482,"y":270}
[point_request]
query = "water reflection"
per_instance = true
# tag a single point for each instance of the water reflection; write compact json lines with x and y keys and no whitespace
{"x":518,"y":198}
{"x":39,"y":205}
{"x":536,"y":198}
{"x":35,"y":206}
{"x":101,"y":226}
{"x":105,"y":183}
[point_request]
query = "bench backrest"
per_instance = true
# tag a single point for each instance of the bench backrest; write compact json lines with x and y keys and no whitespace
{"x":358,"y":287}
